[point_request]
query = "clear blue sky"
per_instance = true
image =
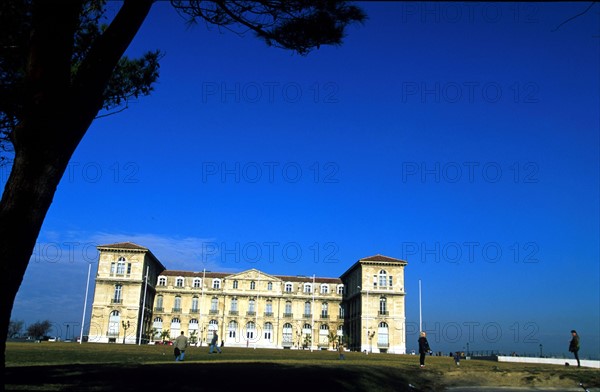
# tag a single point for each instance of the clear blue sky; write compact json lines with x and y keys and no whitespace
{"x":463,"y":138}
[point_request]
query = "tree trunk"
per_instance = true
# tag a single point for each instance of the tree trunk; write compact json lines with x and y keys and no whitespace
{"x":58,"y":109}
{"x":25,"y":202}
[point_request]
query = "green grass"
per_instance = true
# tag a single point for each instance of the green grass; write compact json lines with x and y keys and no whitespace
{"x":105,"y":367}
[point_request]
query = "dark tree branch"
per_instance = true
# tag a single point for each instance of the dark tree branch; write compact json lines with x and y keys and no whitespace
{"x":574,"y":17}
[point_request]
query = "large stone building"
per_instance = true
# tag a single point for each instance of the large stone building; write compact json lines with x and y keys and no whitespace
{"x":364,"y":307}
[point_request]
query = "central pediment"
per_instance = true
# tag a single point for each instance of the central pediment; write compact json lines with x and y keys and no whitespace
{"x":253,"y":274}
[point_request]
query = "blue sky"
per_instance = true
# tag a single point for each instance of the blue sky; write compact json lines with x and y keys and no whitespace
{"x":462,"y":138}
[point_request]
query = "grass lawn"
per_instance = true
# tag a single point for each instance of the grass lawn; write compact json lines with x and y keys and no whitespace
{"x":53,"y":366}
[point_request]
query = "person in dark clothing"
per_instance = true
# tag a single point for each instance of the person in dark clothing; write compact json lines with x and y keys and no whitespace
{"x":423,"y":348}
{"x":574,"y":346}
{"x":214,"y":345}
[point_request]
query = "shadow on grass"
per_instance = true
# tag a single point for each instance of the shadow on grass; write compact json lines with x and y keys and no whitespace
{"x":205,"y":376}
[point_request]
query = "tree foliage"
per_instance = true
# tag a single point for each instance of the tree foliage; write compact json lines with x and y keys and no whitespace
{"x":131,"y":78}
{"x":39,"y":329}
{"x":299,"y":25}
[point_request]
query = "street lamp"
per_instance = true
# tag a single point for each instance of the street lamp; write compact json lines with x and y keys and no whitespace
{"x":541,"y":353}
{"x":126,"y":325}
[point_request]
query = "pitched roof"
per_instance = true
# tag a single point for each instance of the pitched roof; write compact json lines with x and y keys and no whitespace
{"x":123,"y":245}
{"x":379,"y":257}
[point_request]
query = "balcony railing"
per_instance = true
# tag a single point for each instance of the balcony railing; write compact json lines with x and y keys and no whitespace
{"x":161,"y":309}
{"x":233,"y":313}
{"x":116,"y":301}
{"x":268,"y":314}
{"x":250,"y":313}
{"x":194,"y":311}
{"x":324,"y":316}
{"x":176,"y":310}
{"x":384,"y":313}
{"x":307,"y":315}
{"x":213,"y":311}
{"x":288,"y":315}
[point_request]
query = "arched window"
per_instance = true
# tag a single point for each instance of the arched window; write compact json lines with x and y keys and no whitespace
{"x":270,"y":286}
{"x":324,"y":335}
{"x":213,"y":326}
{"x":288,"y":335}
{"x":324,"y":310}
{"x":235,"y":284}
{"x":268,"y":331}
{"x":114,"y":321}
{"x":231,"y":329}
{"x":195,"y":303}
{"x":253,"y":285}
{"x":382,"y":278}
{"x":177,"y":304}
{"x":251,"y":306}
{"x":250,"y":330}
{"x":193,"y":327}
{"x":269,"y":308}
{"x":306,"y":329}
{"x":157,"y":326}
{"x":234,"y":304}
{"x":383,"y":338}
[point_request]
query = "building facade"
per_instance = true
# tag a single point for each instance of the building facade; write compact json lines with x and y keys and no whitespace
{"x":137,"y":300}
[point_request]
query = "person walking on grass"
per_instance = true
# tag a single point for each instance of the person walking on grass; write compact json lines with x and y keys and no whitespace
{"x":341,"y":351}
{"x":214,"y":345}
{"x":181,"y":343}
{"x":574,"y":346}
{"x":423,"y":348}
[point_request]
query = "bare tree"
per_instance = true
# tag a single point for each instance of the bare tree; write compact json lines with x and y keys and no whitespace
{"x":39,"y":329}
{"x":15,"y":328}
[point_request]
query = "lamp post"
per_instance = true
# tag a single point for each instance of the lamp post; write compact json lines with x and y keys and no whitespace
{"x":541,"y":352}
{"x":126,"y":325}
